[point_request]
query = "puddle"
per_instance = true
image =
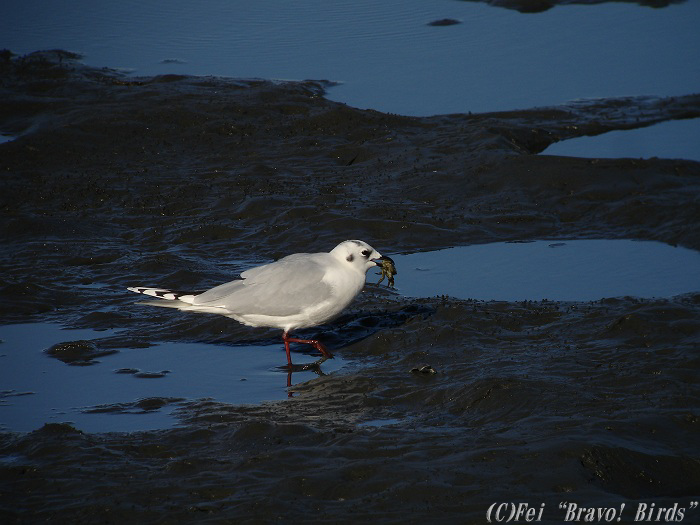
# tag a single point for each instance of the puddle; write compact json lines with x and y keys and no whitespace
{"x":375,"y":423}
{"x":6,"y":138}
{"x":131,"y":389}
{"x":581,"y":270}
{"x":678,"y":139}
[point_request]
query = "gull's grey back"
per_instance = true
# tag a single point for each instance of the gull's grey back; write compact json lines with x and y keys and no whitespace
{"x":285,"y":287}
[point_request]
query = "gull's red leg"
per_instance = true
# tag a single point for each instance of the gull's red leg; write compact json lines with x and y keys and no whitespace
{"x":286,"y":340}
{"x":313,"y":342}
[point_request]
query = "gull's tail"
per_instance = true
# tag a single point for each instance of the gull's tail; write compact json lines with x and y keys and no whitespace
{"x":181,"y":301}
{"x":161,"y":293}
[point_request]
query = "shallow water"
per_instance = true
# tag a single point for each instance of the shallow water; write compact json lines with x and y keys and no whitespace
{"x":131,"y":389}
{"x":385,"y":54}
{"x":558,"y":270}
{"x":678,"y":139}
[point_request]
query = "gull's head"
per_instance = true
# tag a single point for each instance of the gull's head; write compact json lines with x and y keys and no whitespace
{"x":357,"y":254}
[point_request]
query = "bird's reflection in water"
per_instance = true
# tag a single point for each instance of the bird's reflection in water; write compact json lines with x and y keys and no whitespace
{"x":314,"y":367}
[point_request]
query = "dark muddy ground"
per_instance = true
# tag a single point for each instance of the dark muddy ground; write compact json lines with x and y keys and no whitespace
{"x":115,"y":181}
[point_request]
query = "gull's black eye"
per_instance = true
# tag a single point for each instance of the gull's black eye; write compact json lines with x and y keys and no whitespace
{"x":365,"y":253}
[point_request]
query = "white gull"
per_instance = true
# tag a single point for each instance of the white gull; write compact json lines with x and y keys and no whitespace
{"x":298,"y":291}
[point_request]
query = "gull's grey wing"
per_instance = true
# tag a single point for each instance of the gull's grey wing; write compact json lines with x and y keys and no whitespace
{"x":295,"y":263}
{"x":218,"y":293}
{"x":285,"y":287}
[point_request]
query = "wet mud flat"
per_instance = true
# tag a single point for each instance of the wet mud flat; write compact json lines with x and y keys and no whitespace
{"x":114,"y":181}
